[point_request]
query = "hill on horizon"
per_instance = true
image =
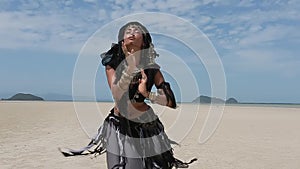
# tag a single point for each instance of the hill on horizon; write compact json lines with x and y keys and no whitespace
{"x":23,"y":96}
{"x":207,"y":99}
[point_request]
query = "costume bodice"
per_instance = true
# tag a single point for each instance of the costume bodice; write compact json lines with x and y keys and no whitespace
{"x":134,"y":94}
{"x":115,"y":61}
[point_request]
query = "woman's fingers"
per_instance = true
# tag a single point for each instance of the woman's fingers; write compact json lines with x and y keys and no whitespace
{"x":124,"y":48}
{"x":144,"y":76}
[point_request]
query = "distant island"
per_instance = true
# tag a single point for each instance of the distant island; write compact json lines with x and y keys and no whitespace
{"x":207,"y":99}
{"x":23,"y":96}
{"x":31,"y":97}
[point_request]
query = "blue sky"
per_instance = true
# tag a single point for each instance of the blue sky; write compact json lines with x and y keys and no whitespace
{"x":257,"y":42}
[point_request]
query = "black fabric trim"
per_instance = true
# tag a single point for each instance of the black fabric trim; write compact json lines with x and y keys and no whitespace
{"x":165,"y":86}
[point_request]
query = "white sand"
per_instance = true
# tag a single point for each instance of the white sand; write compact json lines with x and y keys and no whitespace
{"x":248,"y":137}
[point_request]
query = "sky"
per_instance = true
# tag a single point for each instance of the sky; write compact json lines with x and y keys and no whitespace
{"x":53,"y":47}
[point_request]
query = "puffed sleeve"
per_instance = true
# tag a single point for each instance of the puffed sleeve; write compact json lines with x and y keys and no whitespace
{"x":109,"y":57}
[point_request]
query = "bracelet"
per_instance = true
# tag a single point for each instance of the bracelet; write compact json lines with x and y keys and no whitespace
{"x":125,"y":75}
{"x":122,"y":86}
{"x":124,"y":81}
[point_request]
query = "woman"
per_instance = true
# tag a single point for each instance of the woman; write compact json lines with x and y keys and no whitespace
{"x":132,"y":134}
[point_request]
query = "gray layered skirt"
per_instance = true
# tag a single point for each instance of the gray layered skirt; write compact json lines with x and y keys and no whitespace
{"x":139,"y":143}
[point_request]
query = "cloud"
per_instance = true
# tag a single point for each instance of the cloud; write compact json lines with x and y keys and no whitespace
{"x":238,"y":22}
{"x":90,"y":1}
{"x":48,"y":29}
{"x":276,"y":62}
{"x":64,"y":26}
{"x":102,"y":13}
{"x":271,"y":34}
{"x":47,"y":24}
{"x":246,"y":3}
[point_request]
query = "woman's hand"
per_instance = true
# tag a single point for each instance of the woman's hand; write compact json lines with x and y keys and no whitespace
{"x":131,"y":57}
{"x":143,"y":84}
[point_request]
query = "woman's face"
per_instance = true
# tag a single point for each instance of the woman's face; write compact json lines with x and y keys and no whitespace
{"x":133,"y":37}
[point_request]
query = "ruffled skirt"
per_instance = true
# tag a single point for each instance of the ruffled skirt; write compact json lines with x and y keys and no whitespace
{"x":139,"y":143}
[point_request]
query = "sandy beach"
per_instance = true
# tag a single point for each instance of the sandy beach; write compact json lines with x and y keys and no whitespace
{"x":248,"y":136}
